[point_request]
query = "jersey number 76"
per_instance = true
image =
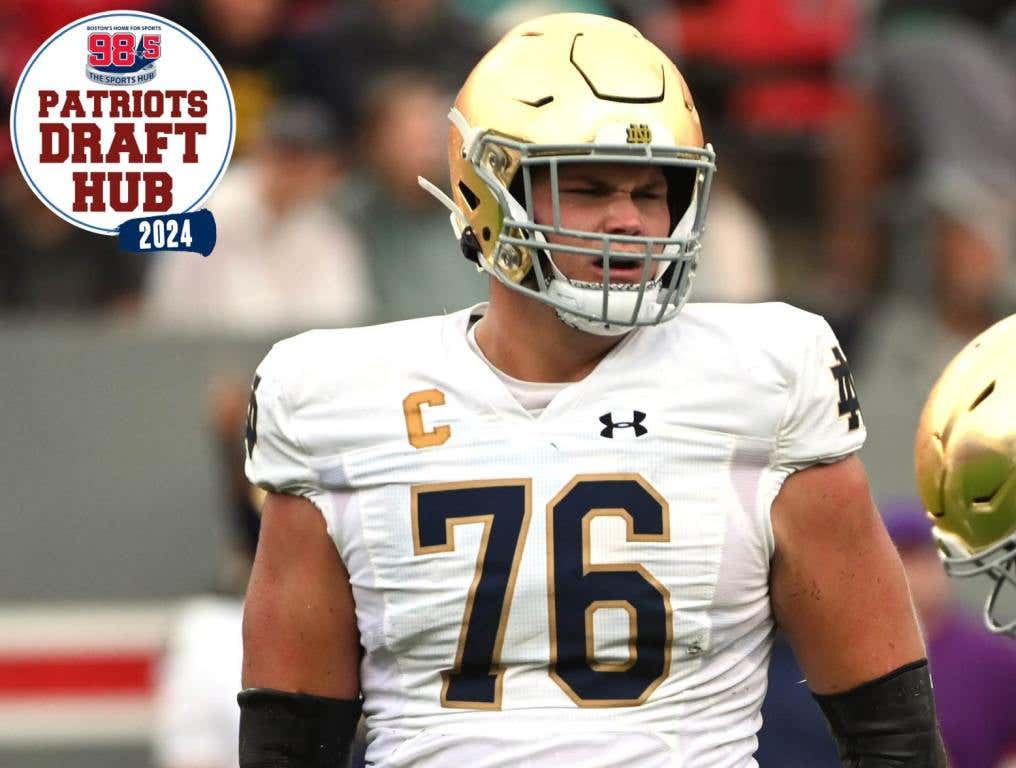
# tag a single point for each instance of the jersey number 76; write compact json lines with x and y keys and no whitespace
{"x":576,"y":587}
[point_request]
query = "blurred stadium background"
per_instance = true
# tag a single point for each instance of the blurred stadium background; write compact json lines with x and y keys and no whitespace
{"x":867,"y":171}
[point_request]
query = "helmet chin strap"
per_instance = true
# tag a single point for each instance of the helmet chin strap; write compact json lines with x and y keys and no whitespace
{"x":589,"y":300}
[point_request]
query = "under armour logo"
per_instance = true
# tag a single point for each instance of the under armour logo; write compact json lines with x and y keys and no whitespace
{"x":610,"y":425}
{"x":251,"y":433}
{"x":848,"y":404}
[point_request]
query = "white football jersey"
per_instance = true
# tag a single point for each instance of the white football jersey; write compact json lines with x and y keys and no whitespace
{"x":588,"y":587}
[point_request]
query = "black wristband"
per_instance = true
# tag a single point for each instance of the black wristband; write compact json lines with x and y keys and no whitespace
{"x":295,"y":730}
{"x":887,"y":722}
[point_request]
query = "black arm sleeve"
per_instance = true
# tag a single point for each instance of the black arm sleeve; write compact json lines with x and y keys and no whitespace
{"x":295,"y":730}
{"x":888,"y":722}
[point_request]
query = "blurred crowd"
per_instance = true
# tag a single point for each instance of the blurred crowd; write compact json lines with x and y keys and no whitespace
{"x":866,"y":156}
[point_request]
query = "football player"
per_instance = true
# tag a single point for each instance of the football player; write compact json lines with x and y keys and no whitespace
{"x":965,"y":456}
{"x":558,"y":528}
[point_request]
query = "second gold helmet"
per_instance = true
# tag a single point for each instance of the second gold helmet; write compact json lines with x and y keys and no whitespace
{"x":965,"y":457}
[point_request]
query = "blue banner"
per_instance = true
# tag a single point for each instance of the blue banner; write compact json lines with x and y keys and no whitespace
{"x":193,"y":231}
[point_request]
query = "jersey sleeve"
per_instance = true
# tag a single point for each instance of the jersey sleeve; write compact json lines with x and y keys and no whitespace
{"x":276,"y":460}
{"x":822,"y":421}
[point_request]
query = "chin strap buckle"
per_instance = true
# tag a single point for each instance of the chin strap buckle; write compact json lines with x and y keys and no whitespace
{"x":470,"y":245}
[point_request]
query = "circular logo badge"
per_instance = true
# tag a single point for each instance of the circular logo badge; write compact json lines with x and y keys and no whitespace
{"x":122,"y":116}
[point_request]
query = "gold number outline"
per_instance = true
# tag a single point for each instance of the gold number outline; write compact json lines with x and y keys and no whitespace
{"x":590,"y":567}
{"x":488,"y":521}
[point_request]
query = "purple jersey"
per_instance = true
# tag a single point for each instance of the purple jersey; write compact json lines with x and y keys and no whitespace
{"x":974,"y":674}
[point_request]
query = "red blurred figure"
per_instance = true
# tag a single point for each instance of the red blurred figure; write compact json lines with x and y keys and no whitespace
{"x":779,"y":52}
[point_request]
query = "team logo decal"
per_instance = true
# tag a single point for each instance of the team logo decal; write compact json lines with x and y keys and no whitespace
{"x":610,"y":425}
{"x":639,"y":133}
{"x":848,"y":404}
{"x":122,"y":124}
{"x":122,"y":58}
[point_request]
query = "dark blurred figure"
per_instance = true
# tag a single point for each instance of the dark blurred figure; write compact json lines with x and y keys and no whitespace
{"x":6,"y":148}
{"x":922,"y":178}
{"x":362,"y":41}
{"x":974,"y":672}
{"x":416,"y":269}
{"x":252,"y":40}
{"x":50,"y":266}
{"x":794,"y":731}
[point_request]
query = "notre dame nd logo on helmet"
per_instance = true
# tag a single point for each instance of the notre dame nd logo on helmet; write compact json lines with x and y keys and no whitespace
{"x":639,"y":133}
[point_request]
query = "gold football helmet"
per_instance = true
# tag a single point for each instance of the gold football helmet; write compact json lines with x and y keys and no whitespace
{"x":965,"y":457}
{"x":576,"y":88}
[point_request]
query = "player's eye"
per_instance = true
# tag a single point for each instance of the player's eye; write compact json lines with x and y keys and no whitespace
{"x":652,"y":193}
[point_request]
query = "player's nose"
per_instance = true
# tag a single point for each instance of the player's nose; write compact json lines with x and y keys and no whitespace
{"x":622,"y":216}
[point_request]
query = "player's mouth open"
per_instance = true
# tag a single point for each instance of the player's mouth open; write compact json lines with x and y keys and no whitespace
{"x":621,"y":269}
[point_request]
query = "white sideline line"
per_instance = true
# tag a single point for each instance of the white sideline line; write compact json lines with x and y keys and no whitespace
{"x":53,"y":722}
{"x":78,"y":627}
